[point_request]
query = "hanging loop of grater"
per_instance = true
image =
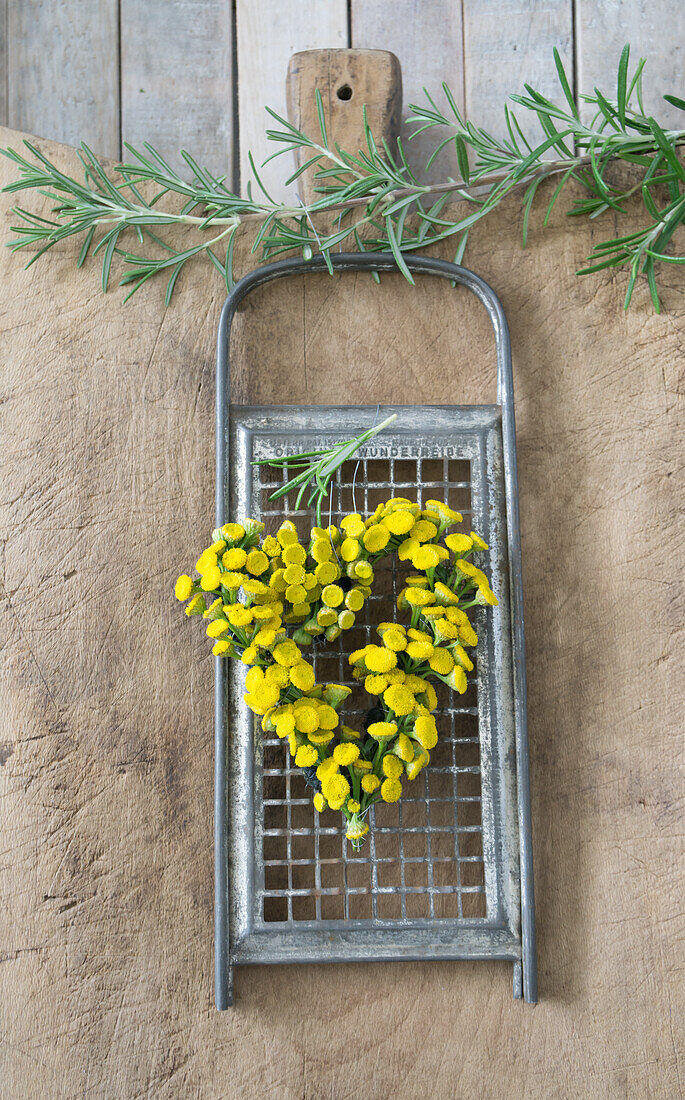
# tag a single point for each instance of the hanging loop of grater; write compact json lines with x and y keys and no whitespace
{"x":256,"y":921}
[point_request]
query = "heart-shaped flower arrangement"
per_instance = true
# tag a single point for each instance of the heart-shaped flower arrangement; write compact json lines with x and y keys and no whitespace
{"x":253,"y":589}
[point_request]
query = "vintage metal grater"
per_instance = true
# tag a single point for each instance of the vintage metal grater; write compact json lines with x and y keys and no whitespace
{"x":446,"y":873}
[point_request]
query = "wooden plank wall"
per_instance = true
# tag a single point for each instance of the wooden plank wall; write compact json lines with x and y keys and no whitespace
{"x":197,"y":73}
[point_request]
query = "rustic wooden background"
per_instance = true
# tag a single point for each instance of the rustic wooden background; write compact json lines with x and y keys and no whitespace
{"x":106,"y":477}
{"x":197,"y":73}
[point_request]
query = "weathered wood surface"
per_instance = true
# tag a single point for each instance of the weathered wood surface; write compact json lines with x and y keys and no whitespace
{"x":655,"y":31}
{"x":509,"y":43}
{"x":267,"y":35}
{"x":427,"y":37}
{"x":348,"y":81}
{"x":177,"y":79}
{"x":62,"y":74}
{"x":106,"y":871}
{"x":162,"y":70}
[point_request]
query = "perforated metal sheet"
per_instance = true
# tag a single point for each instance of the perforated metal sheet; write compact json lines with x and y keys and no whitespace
{"x":439,"y":872}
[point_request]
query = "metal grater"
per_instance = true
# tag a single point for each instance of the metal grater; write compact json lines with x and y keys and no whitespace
{"x":445,"y":873}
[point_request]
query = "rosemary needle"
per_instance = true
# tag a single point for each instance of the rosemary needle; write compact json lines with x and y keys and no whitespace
{"x":317,"y":468}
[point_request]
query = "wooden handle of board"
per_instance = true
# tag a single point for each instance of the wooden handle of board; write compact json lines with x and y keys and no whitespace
{"x":347,"y":81}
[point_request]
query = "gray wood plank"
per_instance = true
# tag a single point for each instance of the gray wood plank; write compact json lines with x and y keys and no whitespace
{"x":3,"y":62}
{"x":655,"y":30}
{"x":177,"y":81}
{"x":508,"y":43}
{"x":428,"y":40}
{"x":268,"y":33}
{"x":63,"y":71}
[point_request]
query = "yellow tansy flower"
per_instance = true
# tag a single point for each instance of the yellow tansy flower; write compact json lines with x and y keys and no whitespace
{"x":345,"y":753}
{"x":404,"y":747}
{"x":257,"y":563}
{"x":335,"y":790}
{"x":294,"y":554}
{"x":399,"y":699}
{"x":233,"y":531}
{"x":296,"y":593}
{"x":478,"y":542}
{"x":306,"y":719}
{"x":399,"y":522}
{"x":375,"y":684}
{"x":293,"y":574}
{"x":350,"y":549}
{"x":425,"y":731}
{"x":196,"y":605}
{"x":441,"y":661}
{"x":321,"y":550}
{"x":332,"y":595}
{"x":459,"y":544}
{"x":271,"y":546}
{"x":423,"y":530}
{"x":183,"y":587}
{"x":370,"y":783}
{"x":211,"y":579}
{"x":287,"y":533}
{"x":326,"y":572}
{"x":376,"y":538}
{"x":353,"y":525}
{"x":391,"y":790}
{"x":305,"y":756}
{"x":234,"y":558}
{"x":382,"y":731}
{"x":379,"y":659}
{"x":394,"y":640}
{"x":287,"y":653}
{"x":319,"y":802}
{"x":445,"y":513}
{"x":392,"y":766}
{"x":302,"y":676}
{"x":239,"y":615}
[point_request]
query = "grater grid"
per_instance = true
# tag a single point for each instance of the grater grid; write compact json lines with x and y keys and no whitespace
{"x":398,"y":886}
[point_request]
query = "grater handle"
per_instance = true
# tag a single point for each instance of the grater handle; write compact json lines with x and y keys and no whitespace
{"x":347,"y":81}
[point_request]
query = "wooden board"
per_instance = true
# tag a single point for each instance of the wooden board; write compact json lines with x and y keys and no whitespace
{"x":177,"y":80}
{"x":105,"y":717}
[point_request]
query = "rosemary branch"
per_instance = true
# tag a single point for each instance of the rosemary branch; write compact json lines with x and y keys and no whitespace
{"x":318,"y":468}
{"x":374,"y":194}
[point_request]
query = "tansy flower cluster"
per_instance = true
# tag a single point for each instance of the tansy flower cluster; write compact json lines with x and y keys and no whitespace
{"x":266,"y":599}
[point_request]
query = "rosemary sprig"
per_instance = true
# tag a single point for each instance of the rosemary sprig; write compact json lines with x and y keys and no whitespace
{"x":377,"y":200}
{"x":317,"y":468}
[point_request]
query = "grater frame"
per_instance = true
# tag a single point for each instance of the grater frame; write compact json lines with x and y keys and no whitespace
{"x":486,"y":436}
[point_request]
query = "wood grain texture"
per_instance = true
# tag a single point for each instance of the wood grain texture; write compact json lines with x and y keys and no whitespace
{"x":63,"y":71}
{"x":348,"y":81}
{"x":508,"y":43}
{"x":268,"y":34}
{"x":3,"y":63}
{"x":106,"y":416}
{"x":426,"y":36}
{"x":177,"y":86}
{"x":654,"y":30}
